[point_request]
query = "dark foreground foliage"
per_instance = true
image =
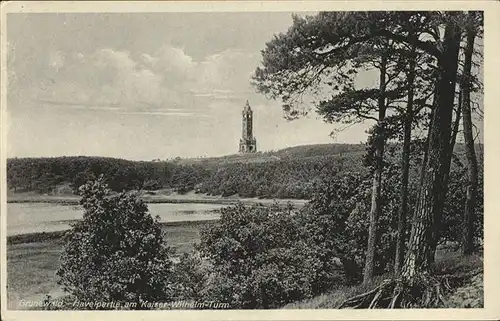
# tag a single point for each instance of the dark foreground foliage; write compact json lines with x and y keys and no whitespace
{"x":116,"y":253}
{"x":263,"y":257}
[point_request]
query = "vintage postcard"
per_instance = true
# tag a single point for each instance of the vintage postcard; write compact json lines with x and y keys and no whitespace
{"x":250,"y":160}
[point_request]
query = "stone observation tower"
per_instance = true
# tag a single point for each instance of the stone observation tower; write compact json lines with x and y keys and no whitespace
{"x":248,"y":144}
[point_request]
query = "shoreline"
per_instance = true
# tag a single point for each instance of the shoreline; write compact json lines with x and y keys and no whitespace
{"x":34,"y":237}
{"x":74,"y":200}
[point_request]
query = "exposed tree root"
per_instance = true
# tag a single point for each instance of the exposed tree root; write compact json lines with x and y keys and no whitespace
{"x":425,"y":291}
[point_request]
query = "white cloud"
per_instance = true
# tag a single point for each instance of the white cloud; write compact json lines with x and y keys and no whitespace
{"x":149,"y":60}
{"x":167,"y":78}
{"x":228,"y":70}
{"x":169,"y":59}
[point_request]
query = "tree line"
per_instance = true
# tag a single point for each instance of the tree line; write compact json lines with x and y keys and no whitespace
{"x":44,"y":175}
{"x":290,"y":177}
{"x":297,"y":175}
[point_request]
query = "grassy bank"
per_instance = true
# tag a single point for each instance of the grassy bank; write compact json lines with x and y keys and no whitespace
{"x":33,"y":259}
{"x":465,"y":294}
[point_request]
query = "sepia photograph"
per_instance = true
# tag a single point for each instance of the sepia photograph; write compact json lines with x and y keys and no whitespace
{"x":243,"y":159}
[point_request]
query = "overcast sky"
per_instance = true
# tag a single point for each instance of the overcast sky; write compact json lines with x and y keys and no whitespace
{"x":145,"y":86}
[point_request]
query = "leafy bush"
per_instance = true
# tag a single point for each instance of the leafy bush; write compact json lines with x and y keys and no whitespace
{"x":116,"y":252}
{"x":262,"y":257}
{"x":266,"y":257}
{"x":325,"y":217}
{"x":192,"y":273}
{"x":337,"y":219}
{"x":80,"y":179}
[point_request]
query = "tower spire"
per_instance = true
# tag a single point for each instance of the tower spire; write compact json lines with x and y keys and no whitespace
{"x":247,"y":106}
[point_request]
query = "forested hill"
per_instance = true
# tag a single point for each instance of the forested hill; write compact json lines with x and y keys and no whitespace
{"x":288,"y":173}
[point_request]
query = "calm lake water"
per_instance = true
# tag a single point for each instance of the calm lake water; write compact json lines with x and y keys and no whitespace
{"x":44,"y":217}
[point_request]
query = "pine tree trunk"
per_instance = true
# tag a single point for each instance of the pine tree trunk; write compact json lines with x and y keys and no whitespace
{"x":405,"y":168}
{"x":472,"y":179}
{"x":431,"y":255}
{"x":377,"y":177}
{"x":431,"y":196}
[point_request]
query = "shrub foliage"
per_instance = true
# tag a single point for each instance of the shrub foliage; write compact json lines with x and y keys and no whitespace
{"x":262,"y":257}
{"x":116,"y":253}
